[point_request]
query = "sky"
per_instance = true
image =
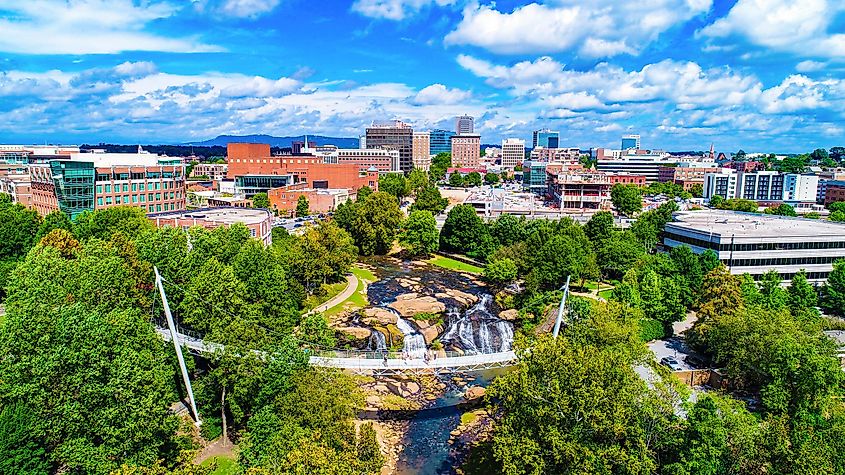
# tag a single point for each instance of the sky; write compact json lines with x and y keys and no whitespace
{"x":762,"y":75}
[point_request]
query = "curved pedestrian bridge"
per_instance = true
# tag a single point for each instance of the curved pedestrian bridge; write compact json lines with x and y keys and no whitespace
{"x":376,"y":362}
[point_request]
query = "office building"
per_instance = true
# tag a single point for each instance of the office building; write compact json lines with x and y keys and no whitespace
{"x":441,"y":141}
{"x":393,"y":135}
{"x":422,"y":150}
{"x":630,"y":142}
{"x":212,"y":171}
{"x":385,"y":161}
{"x":565,"y":155}
{"x":464,"y":125}
{"x":545,"y":138}
{"x":534,"y":176}
{"x":756,"y":243}
{"x":18,"y":187}
{"x":466,"y":151}
{"x":96,"y":180}
{"x":513,"y":152}
{"x":258,"y":221}
{"x":646,"y":164}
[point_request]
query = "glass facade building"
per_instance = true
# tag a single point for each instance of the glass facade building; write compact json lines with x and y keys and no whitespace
{"x":74,"y":182}
{"x":440,"y":141}
{"x":546,"y":138}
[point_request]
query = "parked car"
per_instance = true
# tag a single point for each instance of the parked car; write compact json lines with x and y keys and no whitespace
{"x":671,"y":363}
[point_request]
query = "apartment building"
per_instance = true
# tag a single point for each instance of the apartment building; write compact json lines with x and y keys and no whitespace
{"x":765,"y":186}
{"x":214,"y":171}
{"x":258,"y":221}
{"x":421,"y":150}
{"x":513,"y":152}
{"x":466,"y":151}
{"x":548,"y":154}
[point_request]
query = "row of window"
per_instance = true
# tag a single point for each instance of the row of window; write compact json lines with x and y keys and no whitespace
{"x":785,"y":261}
{"x":763,"y":246}
{"x":790,"y":275}
{"x":149,"y":175}
{"x":167,"y":185}
{"x":125,"y":199}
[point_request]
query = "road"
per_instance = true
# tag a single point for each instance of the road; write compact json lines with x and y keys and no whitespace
{"x":351,"y":287}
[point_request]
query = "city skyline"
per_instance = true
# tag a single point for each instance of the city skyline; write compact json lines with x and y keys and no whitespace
{"x":681,"y":74}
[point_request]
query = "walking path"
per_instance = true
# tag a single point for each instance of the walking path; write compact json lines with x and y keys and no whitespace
{"x":351,"y":287}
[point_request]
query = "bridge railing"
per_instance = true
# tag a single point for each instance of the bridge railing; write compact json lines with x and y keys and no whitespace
{"x":380,"y":355}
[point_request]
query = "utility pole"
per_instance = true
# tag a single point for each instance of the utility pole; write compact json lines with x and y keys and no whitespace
{"x":560,"y":309}
{"x":175,"y":339}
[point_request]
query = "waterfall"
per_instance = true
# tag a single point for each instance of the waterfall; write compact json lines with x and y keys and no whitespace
{"x":478,"y":330}
{"x":377,"y":341}
{"x":414,"y":342}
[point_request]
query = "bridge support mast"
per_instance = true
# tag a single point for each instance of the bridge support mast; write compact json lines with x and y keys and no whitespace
{"x":174,"y":337}
{"x":559,"y":318}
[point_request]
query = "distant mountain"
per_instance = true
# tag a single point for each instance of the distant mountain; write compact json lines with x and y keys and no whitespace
{"x":222,"y":140}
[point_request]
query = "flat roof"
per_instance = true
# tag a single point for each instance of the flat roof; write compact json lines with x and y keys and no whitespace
{"x":726,"y":223}
{"x":224,"y":215}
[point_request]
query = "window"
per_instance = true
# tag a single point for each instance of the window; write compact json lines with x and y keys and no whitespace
{"x":108,"y":188}
{"x":158,"y":196}
{"x":150,"y":197}
{"x":134,"y":198}
{"x":152,"y":208}
{"x":99,"y":188}
{"x":141,"y":186}
{"x":158,"y":185}
{"x":143,"y":198}
{"x":108,"y":200}
{"x":99,"y":202}
{"x":134,"y":187}
{"x":126,"y":187}
{"x":158,"y":207}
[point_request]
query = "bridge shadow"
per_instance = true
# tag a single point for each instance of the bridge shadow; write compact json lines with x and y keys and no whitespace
{"x":436,"y":412}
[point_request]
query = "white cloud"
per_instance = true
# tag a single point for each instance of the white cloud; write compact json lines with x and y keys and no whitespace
{"x":88,"y":27}
{"x":601,"y":28}
{"x":248,"y":8}
{"x":440,"y":94}
{"x":800,"y":27}
{"x":138,"y":68}
{"x":809,"y":66}
{"x":394,"y":9}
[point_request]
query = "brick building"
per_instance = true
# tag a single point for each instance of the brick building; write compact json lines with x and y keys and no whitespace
{"x":466,"y":151}
{"x":285,"y":199}
{"x":258,"y":221}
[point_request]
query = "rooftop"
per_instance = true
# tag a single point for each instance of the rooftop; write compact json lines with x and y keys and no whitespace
{"x":726,"y":223}
{"x":223,"y":215}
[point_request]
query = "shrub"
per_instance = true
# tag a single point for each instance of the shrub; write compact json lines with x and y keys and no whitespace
{"x":651,"y":329}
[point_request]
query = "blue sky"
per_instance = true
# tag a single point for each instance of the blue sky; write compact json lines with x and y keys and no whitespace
{"x":762,"y":75}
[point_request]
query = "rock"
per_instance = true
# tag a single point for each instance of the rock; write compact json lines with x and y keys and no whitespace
{"x":509,"y":315}
{"x":357,"y":333}
{"x":395,"y":387}
{"x":380,"y":388}
{"x":430,"y":330}
{"x":379,"y":316}
{"x":373,"y":401}
{"x":412,"y":388}
{"x":463,"y":297}
{"x":408,"y":307}
{"x":408,"y":296}
{"x":475,"y":392}
{"x":455,"y":433}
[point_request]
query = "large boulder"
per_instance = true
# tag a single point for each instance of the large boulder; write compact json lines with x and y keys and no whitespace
{"x":378,"y":316}
{"x":408,"y":307}
{"x":357,"y":333}
{"x":509,"y":315}
{"x":475,"y":392}
{"x":430,"y":329}
{"x":463,"y":298}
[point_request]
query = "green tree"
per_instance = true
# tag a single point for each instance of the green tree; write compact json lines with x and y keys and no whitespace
{"x":750,"y":292}
{"x":419,"y":234}
{"x":600,"y":227}
{"x":627,"y":199}
{"x":819,"y":154}
{"x":651,"y":296}
{"x":381,"y":218}
{"x":618,"y":253}
{"x":772,"y":295}
{"x":302,"y":207}
{"x":833,"y":292}
{"x":464,"y":232}
{"x":439,"y":164}
{"x":395,"y":184}
{"x":102,"y":223}
{"x":322,"y":255}
{"x":315,"y":329}
{"x":18,"y":230}
{"x":721,"y":297}
{"x":429,"y":199}
{"x":260,"y":200}
{"x":559,"y":257}
{"x":417,"y":180}
{"x":491,"y":178}
{"x":782,"y":209}
{"x":837,"y":216}
{"x":802,"y":298}
{"x":736,"y":204}
{"x":716,"y":201}
{"x":456,"y":179}
{"x":363,"y":193}
{"x":697,"y":190}
{"x":500,"y":272}
{"x":21,"y":451}
{"x":473,"y":179}
{"x":628,"y":291}
{"x":262,"y":272}
{"x":55,"y":220}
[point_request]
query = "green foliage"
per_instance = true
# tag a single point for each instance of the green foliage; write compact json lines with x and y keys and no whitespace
{"x":18,"y":230}
{"x":650,"y":224}
{"x":627,"y":199}
{"x":302,"y":207}
{"x":419,"y":234}
{"x":600,"y":227}
{"x":802,"y":298}
{"x":439,"y":164}
{"x":394,"y":184}
{"x":429,"y":199}
{"x":260,"y":200}
{"x":837,"y":216}
{"x":782,"y":209}
{"x":795,"y":164}
{"x":372,"y":224}
{"x":833,"y":292}
{"x":736,"y":204}
{"x":363,"y":193}
{"x":54,"y":220}
{"x":500,"y":272}
{"x":315,"y":329}
{"x":617,"y":253}
{"x":464,"y":232}
{"x":669,"y":189}
{"x":323,"y":254}
{"x":456,"y":179}
{"x":697,"y":190}
{"x":472,"y":179}
{"x":491,"y":178}
{"x":102,"y":223}
{"x":507,"y":229}
{"x":417,"y":180}
{"x":21,"y":449}
{"x":651,"y":329}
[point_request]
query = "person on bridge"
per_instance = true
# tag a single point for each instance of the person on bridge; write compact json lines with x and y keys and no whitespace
{"x":385,"y":358}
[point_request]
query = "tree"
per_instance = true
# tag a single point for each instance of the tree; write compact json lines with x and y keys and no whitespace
{"x":302,"y":207}
{"x":716,"y":201}
{"x":18,"y":230}
{"x":618,"y":253}
{"x":419,"y":234}
{"x":417,"y":180}
{"x":500,"y":272}
{"x":652,"y":296}
{"x":837,"y":216}
{"x":628,"y":291}
{"x":439,"y":164}
{"x":55,"y":220}
{"x":736,"y":204}
{"x":21,"y":451}
{"x":833,"y":292}
{"x":491,"y":178}
{"x":262,"y":272}
{"x":819,"y":154}
{"x":507,"y":229}
{"x":456,"y":179}
{"x":721,"y":297}
{"x":322,"y":255}
{"x":363,"y":193}
{"x":395,"y":184}
{"x":429,"y":199}
{"x":837,"y":153}
{"x":796,"y":164}
{"x":260,"y":200}
{"x":772,"y":296}
{"x":382,"y":218}
{"x":559,"y":257}
{"x":802,"y":297}
{"x":315,"y":330}
{"x":697,"y":190}
{"x":473,"y":179}
{"x":102,"y":223}
{"x":782,"y":209}
{"x":627,"y":199}
{"x":464,"y":232}
{"x":600,"y":227}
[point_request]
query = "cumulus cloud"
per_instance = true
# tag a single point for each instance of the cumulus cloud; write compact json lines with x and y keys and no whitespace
{"x":809,"y":66}
{"x":601,"y":28}
{"x":394,"y":9}
{"x":89,"y":27}
{"x":801,"y":27}
{"x":440,"y":94}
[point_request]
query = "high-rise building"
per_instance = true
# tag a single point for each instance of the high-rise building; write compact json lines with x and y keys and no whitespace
{"x":765,"y":186}
{"x":546,"y":138}
{"x":393,"y":135}
{"x":630,"y":141}
{"x":466,"y":150}
{"x":440,"y":141}
{"x":422,"y":150}
{"x":464,"y":124}
{"x":513,"y":152}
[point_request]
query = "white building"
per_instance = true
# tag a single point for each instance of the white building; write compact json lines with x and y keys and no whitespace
{"x":385,"y":160}
{"x":800,"y":188}
{"x":721,"y":182}
{"x":756,"y":243}
{"x":563,"y":155}
{"x":761,"y":186}
{"x":513,"y":152}
{"x":646,"y":164}
{"x":464,"y":125}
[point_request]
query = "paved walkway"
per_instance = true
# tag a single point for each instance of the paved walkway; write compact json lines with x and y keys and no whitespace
{"x":351,"y":287}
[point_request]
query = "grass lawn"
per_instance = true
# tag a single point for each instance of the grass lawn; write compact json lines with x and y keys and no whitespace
{"x":358,"y":299}
{"x":454,"y":265}
{"x":605,"y":294}
{"x":225,"y":465}
{"x":314,"y":301}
